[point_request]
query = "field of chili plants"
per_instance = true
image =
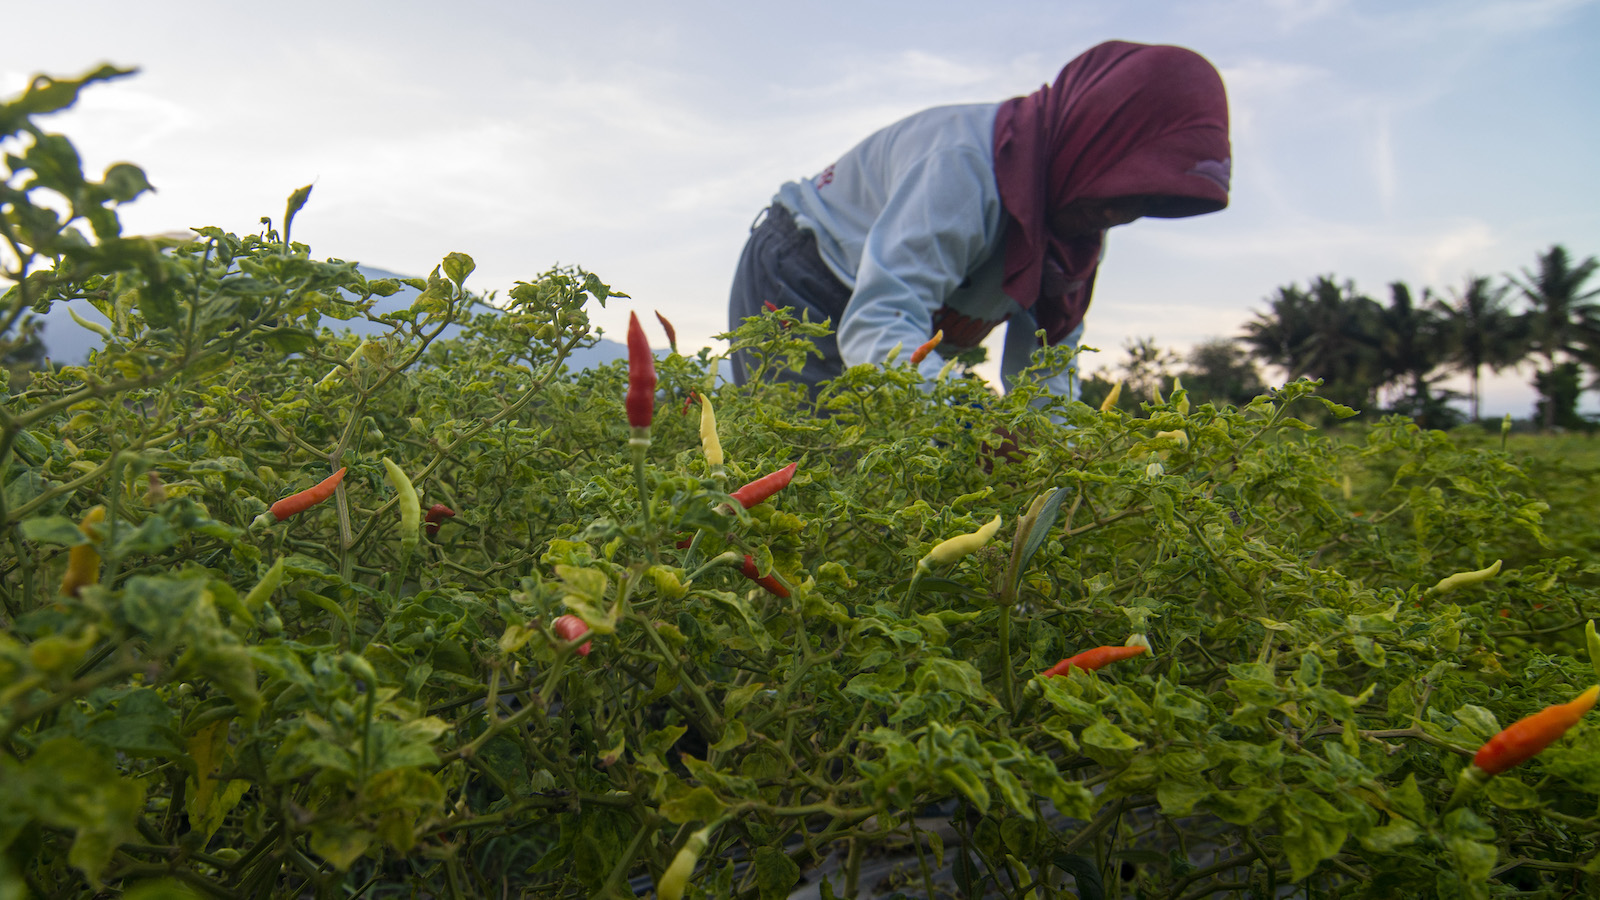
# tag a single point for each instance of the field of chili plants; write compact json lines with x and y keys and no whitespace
{"x":551,"y":634}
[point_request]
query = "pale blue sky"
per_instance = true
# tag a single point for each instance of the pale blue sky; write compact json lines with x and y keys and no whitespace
{"x":1372,"y":140}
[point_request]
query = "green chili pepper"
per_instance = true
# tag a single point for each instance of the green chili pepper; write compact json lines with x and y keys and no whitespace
{"x":410,"y":506}
{"x":262,"y":592}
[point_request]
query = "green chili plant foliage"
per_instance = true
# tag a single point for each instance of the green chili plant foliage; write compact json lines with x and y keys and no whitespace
{"x":326,"y":706}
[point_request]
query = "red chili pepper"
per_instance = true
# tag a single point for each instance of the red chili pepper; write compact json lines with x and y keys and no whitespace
{"x":569,"y":628}
{"x":759,"y":490}
{"x":641,"y":402}
{"x":772,"y":308}
{"x":435,"y":513}
{"x":767,"y":581}
{"x":1092,"y":659}
{"x":1527,"y":737}
{"x":304,"y":500}
{"x":686,"y":401}
{"x":672,"y":333}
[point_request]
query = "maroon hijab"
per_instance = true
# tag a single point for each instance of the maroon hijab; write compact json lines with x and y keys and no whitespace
{"x":1123,"y":119}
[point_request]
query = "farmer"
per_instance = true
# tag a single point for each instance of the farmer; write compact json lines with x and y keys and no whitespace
{"x":959,"y":218}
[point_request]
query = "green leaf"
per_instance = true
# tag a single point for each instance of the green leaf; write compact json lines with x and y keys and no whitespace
{"x":1389,"y":838}
{"x":457,"y":266}
{"x":1085,"y":875}
{"x":1308,"y":840}
{"x":1473,"y":860}
{"x":1507,"y":792}
{"x":776,"y":873}
{"x":340,"y":843}
{"x":1178,"y":798}
{"x":698,"y":805}
{"x":1241,"y":807}
{"x":123,"y":182}
{"x":153,"y":536}
{"x":58,"y":530}
{"x":1041,"y":528}
{"x":1107,"y":744}
{"x":66,"y":784}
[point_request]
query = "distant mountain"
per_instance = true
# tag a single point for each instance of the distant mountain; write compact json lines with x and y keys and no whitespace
{"x":68,"y":342}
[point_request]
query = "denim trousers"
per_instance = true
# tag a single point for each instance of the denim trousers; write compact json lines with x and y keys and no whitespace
{"x":781,"y":265}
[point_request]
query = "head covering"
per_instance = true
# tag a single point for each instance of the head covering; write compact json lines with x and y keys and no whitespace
{"x":1121,"y":120}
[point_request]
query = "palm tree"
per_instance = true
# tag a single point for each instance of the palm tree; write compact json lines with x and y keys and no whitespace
{"x":1481,"y":330}
{"x":1411,"y":350}
{"x":1327,"y":331}
{"x":1561,"y":320}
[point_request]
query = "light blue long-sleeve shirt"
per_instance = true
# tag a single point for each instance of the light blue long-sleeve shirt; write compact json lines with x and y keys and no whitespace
{"x":911,"y":221}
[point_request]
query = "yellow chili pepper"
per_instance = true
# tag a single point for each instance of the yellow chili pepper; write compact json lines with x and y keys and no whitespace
{"x":1182,"y":437}
{"x":954,"y":548}
{"x":83,"y":561}
{"x":709,"y":442}
{"x":676,"y":878}
{"x":1110,"y":402}
{"x":1465,"y":579}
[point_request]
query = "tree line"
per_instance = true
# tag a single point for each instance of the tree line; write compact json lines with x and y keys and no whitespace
{"x":1401,"y":351}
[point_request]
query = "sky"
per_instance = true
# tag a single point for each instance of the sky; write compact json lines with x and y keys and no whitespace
{"x":1373,"y":140}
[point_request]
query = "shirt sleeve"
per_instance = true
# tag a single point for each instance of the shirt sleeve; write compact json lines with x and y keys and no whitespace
{"x":937,"y":224}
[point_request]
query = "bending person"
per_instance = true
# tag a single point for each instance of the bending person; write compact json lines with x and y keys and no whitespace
{"x":959,"y":218}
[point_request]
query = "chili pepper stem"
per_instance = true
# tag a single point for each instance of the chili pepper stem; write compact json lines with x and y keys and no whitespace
{"x":911,"y":592}
{"x":1468,"y":783}
{"x":1006,"y":670}
{"x":639,"y":448}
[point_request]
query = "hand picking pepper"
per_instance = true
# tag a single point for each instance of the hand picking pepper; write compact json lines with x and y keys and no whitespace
{"x":83,"y":561}
{"x":569,"y":628}
{"x":1094,"y":658}
{"x":756,"y":492}
{"x":769,"y":582}
{"x":436,"y":513}
{"x":303,"y":500}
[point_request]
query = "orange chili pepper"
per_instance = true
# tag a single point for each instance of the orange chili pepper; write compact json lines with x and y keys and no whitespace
{"x":1527,"y":737}
{"x":311,"y":496}
{"x":1094,"y":658}
{"x":921,"y":353}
